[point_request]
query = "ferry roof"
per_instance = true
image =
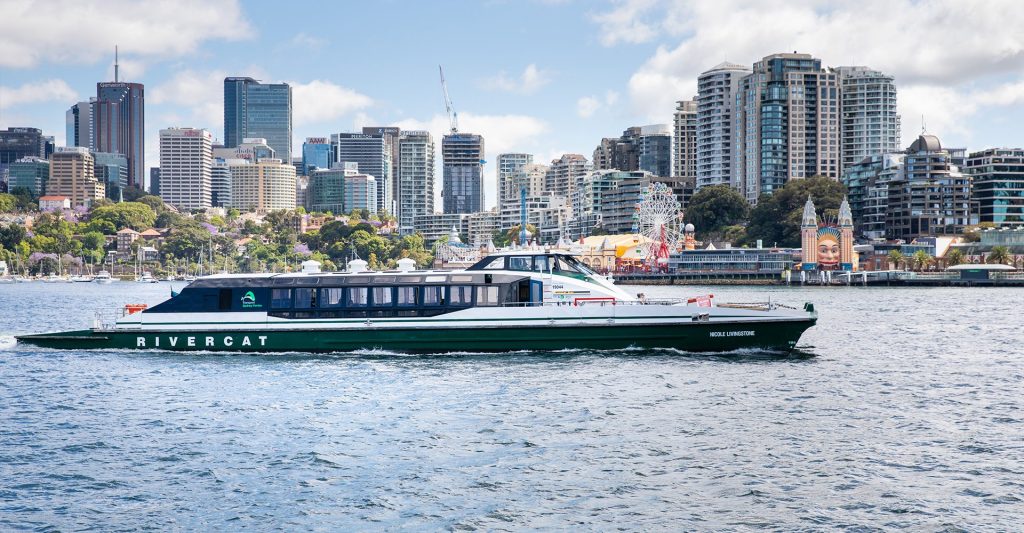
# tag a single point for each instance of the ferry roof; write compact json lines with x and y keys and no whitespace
{"x":329,"y":279}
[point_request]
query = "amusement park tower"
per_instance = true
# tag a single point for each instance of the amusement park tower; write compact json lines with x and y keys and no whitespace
{"x":809,"y":234}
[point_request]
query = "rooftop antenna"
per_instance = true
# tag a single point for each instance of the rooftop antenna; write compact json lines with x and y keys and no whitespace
{"x":453,"y":117}
{"x":115,"y":64}
{"x":924,"y":127}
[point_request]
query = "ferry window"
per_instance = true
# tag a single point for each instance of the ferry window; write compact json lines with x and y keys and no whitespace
{"x":281,"y":298}
{"x":305,"y":298}
{"x":432,"y":296}
{"x":461,"y":295}
{"x":225,"y":299}
{"x":519,"y":263}
{"x":498,"y":263}
{"x":407,"y":296}
{"x":357,"y":296}
{"x":541,"y":264}
{"x":487,"y":296}
{"x":331,"y":297}
{"x":565,"y":266}
{"x":382,"y":296}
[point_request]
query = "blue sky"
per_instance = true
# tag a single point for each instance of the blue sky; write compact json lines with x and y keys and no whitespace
{"x":544,"y":77}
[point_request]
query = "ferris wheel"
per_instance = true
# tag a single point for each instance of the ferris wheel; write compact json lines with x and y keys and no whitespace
{"x":658,"y":216}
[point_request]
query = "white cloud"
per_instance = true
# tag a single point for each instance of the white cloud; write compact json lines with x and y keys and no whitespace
{"x":74,"y":31}
{"x":320,"y":101}
{"x":930,"y":47}
{"x":531,"y":80}
{"x":304,"y":40}
{"x":201,"y":93}
{"x":501,"y":133}
{"x":587,"y":106}
{"x":52,"y":90}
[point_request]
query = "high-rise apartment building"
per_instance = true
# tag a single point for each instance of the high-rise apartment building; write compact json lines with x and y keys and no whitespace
{"x":119,"y":125}
{"x":79,"y":127}
{"x":186,"y":160}
{"x":361,"y":192}
{"x":654,"y":146}
{"x":930,"y":196}
{"x":870,"y":121}
{"x":684,"y":139}
{"x":316,"y":153}
{"x":787,"y":124}
{"x":220,"y":182}
{"x":112,"y":171}
{"x":264,"y":186}
{"x":372,"y":152}
{"x":391,"y":134}
{"x":530,"y":180}
{"x":415,"y":178}
{"x":509,"y":165}
{"x":867,"y":182}
{"x":716,"y":101}
{"x":254,"y":109}
{"x":564,"y":172}
{"x":30,"y":173}
{"x":462,"y":158}
{"x":998,"y":185}
{"x":72,"y":174}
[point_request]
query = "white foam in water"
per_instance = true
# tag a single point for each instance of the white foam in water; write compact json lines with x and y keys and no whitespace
{"x":7,"y":342}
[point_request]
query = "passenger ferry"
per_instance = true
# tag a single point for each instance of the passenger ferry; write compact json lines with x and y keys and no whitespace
{"x":504,"y":302}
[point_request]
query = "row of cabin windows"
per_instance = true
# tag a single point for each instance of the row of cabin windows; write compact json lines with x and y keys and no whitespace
{"x":348,"y":297}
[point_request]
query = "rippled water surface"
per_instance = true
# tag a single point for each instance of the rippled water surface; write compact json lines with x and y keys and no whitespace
{"x":903,"y":408}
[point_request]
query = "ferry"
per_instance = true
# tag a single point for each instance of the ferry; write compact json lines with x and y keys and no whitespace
{"x":504,"y":302}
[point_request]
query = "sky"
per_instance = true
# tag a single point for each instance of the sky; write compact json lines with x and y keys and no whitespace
{"x":540,"y":76}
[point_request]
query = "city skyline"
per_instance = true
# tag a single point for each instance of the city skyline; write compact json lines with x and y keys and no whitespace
{"x":528,"y":89}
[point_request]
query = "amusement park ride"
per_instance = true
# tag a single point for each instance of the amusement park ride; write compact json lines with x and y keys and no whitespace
{"x":658,"y":217}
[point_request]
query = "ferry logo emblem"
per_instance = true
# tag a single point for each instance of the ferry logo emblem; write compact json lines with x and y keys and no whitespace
{"x":249,"y":300}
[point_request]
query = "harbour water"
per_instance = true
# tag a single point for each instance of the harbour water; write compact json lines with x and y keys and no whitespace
{"x":903,"y":408}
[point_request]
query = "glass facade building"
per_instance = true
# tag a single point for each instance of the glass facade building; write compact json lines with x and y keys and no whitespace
{"x":16,"y":143}
{"x":254,"y":109}
{"x":462,"y":158}
{"x":112,"y":170}
{"x":119,"y":122}
{"x":316,"y":153}
{"x":30,"y":173}
{"x":998,"y":185}
{"x":372,"y":152}
{"x":326,"y":191}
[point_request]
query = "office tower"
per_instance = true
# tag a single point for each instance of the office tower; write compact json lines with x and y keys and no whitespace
{"x":415,"y":178}
{"x":508,"y":166}
{"x":29,"y":173}
{"x":72,"y":174}
{"x":787,"y":124}
{"x":684,"y":139}
{"x":254,"y":109}
{"x":361,"y":192}
{"x":326,"y":191}
{"x":186,"y":159}
{"x":119,"y":124}
{"x":654,"y":145}
{"x":16,"y":143}
{"x":316,"y":153}
{"x":372,"y":152}
{"x":998,"y":185}
{"x":251,"y":149}
{"x":870,"y":122}
{"x":79,"y":125}
{"x":930,"y":196}
{"x":154,"y":181}
{"x":264,"y":186}
{"x":462,"y":158}
{"x":716,"y":101}
{"x":391,"y":134}
{"x":220,"y":182}
{"x":564,"y":172}
{"x":112,"y":171}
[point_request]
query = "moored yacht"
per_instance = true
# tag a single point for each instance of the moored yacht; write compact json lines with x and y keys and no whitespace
{"x":510,"y":301}
{"x":103,"y":277}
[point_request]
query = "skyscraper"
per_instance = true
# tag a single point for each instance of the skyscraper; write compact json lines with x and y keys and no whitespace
{"x":684,"y":139}
{"x":72,"y":174}
{"x":870,"y":122}
{"x":30,"y":173}
{"x":360,"y":192}
{"x":373,"y":154}
{"x":79,"y":125}
{"x":654,"y":147}
{"x":254,"y":109}
{"x":716,"y":101}
{"x":316,"y":153}
{"x":186,"y":159}
{"x":112,"y":171}
{"x":564,"y":172}
{"x":119,"y":125}
{"x":220,"y":182}
{"x":508,"y":166}
{"x":326,"y":191}
{"x":16,"y":143}
{"x":391,"y":134}
{"x":415,"y":178}
{"x":787,"y":124}
{"x":462,"y":158}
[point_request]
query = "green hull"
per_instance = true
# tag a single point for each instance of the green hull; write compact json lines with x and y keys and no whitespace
{"x":779,"y":336}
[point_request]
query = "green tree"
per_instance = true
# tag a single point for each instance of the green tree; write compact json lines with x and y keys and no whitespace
{"x":92,"y":246}
{"x":186,"y":241}
{"x":104,"y":227}
{"x":500,"y":238}
{"x":895,"y":258}
{"x":135,"y":215}
{"x":715,"y":207}
{"x":777,"y":217}
{"x":734,"y":234}
{"x":132,"y":194}
{"x":954,"y":257}
{"x":1000,"y":255}
{"x":8,"y":202}
{"x":11,"y":235}
{"x":154,"y":202}
{"x":412,"y":246}
{"x":921,"y":259}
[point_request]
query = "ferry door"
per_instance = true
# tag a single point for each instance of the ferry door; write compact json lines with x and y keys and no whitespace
{"x":536,"y":292}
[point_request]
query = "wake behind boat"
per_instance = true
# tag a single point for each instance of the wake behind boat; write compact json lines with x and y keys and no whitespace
{"x":510,"y":301}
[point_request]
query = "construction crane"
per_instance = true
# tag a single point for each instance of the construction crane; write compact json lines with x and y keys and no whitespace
{"x":453,"y":117}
